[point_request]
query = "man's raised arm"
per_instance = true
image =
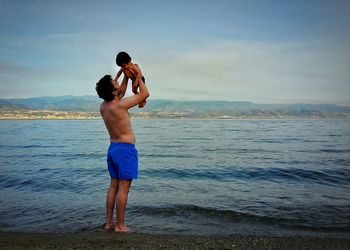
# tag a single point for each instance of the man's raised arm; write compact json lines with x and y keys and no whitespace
{"x":123,"y":87}
{"x":143,"y":90}
{"x":132,"y":101}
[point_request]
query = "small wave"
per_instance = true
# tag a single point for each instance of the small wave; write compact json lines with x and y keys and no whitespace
{"x":239,"y":151}
{"x":59,"y":156}
{"x":44,"y":169}
{"x":334,"y":151}
{"x":327,"y":176}
{"x":29,"y":146}
{"x":232,"y":216}
{"x":177,"y":155}
{"x":271,"y":141}
{"x":318,"y":151}
{"x":75,"y":180}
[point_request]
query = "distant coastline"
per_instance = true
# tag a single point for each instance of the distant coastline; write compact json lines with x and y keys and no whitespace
{"x":87,"y":107}
{"x":47,"y":115}
{"x":79,"y":115}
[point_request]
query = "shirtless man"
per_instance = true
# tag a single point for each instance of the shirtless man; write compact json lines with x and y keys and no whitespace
{"x":122,"y":158}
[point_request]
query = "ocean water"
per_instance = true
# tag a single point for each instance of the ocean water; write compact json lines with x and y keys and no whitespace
{"x":197,"y":177}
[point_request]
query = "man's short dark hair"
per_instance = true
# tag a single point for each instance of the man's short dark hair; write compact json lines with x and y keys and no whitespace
{"x":105,"y":88}
{"x":122,"y":58}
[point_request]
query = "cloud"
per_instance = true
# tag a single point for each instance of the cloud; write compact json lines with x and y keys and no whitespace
{"x":266,"y":72}
{"x":257,"y":71}
{"x":313,"y":70}
{"x":262,"y":52}
{"x":56,"y":64}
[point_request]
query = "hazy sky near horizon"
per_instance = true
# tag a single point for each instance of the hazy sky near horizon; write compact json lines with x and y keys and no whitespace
{"x":261,"y":51}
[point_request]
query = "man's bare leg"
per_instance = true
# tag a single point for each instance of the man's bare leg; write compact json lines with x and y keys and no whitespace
{"x":122,"y":199}
{"x":110,"y":201}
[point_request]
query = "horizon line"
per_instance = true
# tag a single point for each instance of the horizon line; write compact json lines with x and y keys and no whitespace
{"x":342,"y":104}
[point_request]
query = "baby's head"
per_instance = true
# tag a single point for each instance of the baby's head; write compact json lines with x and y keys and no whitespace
{"x":122,"y":59}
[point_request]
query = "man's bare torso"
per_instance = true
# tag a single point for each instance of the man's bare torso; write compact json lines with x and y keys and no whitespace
{"x":117,"y":121}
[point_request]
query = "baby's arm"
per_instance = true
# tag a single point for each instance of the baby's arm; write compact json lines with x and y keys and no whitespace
{"x":138,"y":73}
{"x":118,"y":74}
{"x":138,"y":76}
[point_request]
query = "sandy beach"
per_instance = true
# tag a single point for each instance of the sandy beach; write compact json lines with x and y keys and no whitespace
{"x":101,"y":240}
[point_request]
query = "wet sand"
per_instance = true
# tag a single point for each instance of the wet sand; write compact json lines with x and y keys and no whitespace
{"x":101,"y":240}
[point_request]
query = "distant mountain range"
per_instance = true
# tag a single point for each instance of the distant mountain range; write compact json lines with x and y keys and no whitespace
{"x":57,"y":103}
{"x":161,"y":107}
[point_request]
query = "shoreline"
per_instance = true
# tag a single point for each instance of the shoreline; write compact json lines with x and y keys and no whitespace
{"x":111,"y":240}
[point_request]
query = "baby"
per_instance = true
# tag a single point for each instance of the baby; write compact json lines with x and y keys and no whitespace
{"x":131,"y":71}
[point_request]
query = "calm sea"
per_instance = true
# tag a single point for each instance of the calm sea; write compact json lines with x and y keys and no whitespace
{"x":198,"y":177}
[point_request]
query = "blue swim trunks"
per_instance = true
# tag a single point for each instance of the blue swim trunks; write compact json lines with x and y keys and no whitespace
{"x":122,"y":161}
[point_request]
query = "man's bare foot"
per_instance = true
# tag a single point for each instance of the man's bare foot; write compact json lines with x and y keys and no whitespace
{"x":123,"y":229}
{"x":108,"y":227}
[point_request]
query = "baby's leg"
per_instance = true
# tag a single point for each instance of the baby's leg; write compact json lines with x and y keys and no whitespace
{"x":134,"y":87}
{"x":142,"y":104}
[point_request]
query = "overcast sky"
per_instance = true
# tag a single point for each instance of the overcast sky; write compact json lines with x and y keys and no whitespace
{"x":259,"y":51}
